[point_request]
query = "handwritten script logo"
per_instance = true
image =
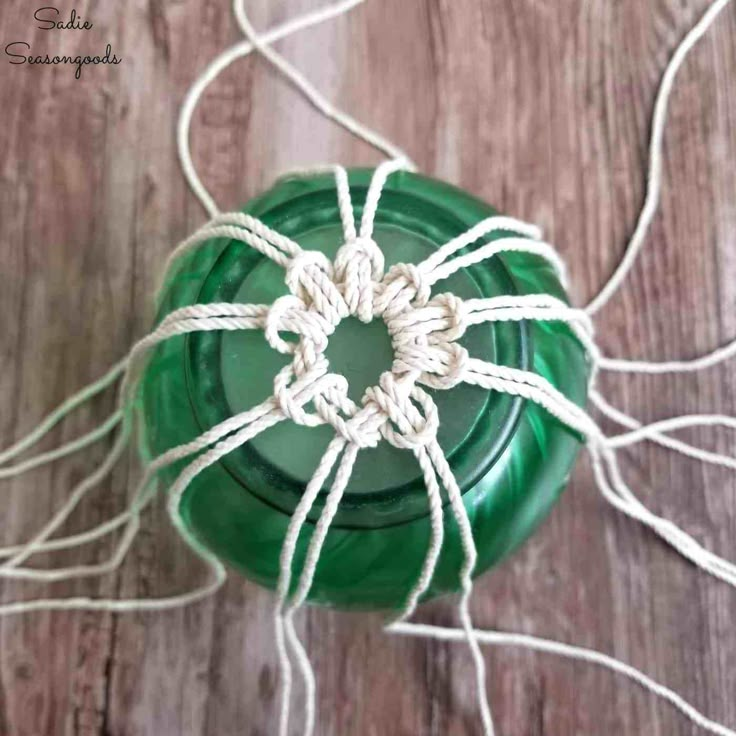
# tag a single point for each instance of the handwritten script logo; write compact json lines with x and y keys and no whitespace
{"x":49,"y":18}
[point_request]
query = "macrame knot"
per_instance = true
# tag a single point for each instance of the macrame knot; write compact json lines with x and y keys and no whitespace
{"x":277,"y":317}
{"x":403,"y":285}
{"x":358,"y":267}
{"x":312,"y":327}
{"x":363,"y":428}
{"x":309,"y":276}
{"x":404,"y":425}
{"x":449,"y":369}
{"x":454,"y":312}
{"x":359,"y":250}
{"x":326,"y":390}
{"x":331,"y":397}
{"x":291,"y":395}
{"x":293,"y":410}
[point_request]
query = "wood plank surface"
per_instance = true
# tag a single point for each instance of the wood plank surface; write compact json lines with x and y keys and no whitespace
{"x":541,"y":107}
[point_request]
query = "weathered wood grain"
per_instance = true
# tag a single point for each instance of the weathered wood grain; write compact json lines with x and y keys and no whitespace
{"x":540,"y":107}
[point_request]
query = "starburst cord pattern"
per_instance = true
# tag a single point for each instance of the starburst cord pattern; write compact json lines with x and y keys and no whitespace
{"x":425,"y":329}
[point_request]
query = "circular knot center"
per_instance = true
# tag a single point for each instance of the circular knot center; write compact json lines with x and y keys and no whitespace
{"x":423,"y":333}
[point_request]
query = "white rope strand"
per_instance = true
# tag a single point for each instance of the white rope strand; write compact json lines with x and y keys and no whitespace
{"x":693,"y":365}
{"x":436,"y":538}
{"x":262,"y":42}
{"x":78,"y":399}
{"x":342,"y":477}
{"x":216,"y":67}
{"x":63,"y":450}
{"x":654,"y":175}
{"x":466,"y":582}
{"x":578,"y":654}
{"x":425,"y":330}
{"x":288,"y":549}
{"x":311,"y":93}
{"x":652,"y":433}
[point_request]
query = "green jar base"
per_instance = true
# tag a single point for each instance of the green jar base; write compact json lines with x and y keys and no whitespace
{"x":510,"y":458}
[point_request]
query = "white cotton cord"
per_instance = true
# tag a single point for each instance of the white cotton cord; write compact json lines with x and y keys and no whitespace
{"x":344,"y":203}
{"x":172,"y":325}
{"x":80,"y":491}
{"x":231,"y":442}
{"x":572,"y":317}
{"x":425,"y":330}
{"x":532,"y":386}
{"x":237,"y":229}
{"x":81,"y":603}
{"x":466,"y":581}
{"x":285,"y":675}
{"x":140,"y":499}
{"x":378,"y":181}
{"x":654,"y":176}
{"x":670,"y":366}
{"x":670,"y":425}
{"x":436,"y":536}
{"x":495,"y":247}
{"x":577,"y":654}
{"x":359,"y":263}
{"x":73,"y":540}
{"x":482,"y":229}
{"x":311,"y":93}
{"x":19,"y":553}
{"x":74,"y":401}
{"x":261,"y":42}
{"x":618,"y":493}
{"x":81,"y":571}
{"x":217,"y":570}
{"x":531,"y":307}
{"x":288,"y":548}
{"x":314,"y":550}
{"x":215,"y":68}
{"x":446,"y":317}
{"x":514,"y":308}
{"x":261,"y":231}
{"x":71,"y":503}
{"x":535,"y":388}
{"x":657,"y":431}
{"x":653,"y":434}
{"x":434,"y":464}
{"x":63,"y":450}
{"x":342,"y":477}
{"x":254,"y":420}
{"x":620,"y":496}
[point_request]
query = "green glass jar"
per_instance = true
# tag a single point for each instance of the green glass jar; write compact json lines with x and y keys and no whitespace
{"x":511,"y":458}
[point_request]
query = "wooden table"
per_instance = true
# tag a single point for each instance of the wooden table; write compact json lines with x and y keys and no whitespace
{"x":540,"y":107}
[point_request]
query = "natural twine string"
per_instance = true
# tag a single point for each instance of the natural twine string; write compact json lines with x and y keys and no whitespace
{"x":425,"y":329}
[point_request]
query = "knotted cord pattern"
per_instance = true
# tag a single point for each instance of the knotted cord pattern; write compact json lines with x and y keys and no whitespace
{"x":425,"y":329}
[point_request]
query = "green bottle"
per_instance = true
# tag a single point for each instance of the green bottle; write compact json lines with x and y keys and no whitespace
{"x":511,"y":459}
